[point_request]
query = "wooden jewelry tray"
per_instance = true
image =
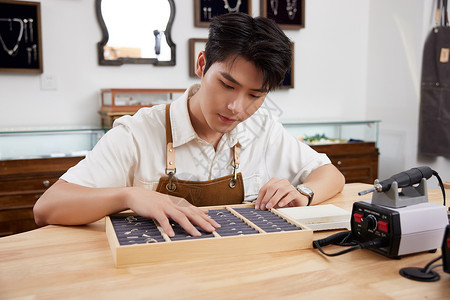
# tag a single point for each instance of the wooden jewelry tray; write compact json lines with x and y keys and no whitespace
{"x":137,"y":240}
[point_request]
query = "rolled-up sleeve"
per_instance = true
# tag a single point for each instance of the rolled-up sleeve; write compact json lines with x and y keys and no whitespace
{"x":109,"y":164}
{"x":287,"y":157}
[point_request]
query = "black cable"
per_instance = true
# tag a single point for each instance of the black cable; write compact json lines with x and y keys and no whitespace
{"x":441,"y":184}
{"x":344,"y":238}
{"x":430,"y":263}
{"x":369,"y":244}
{"x":433,"y":267}
{"x":316,"y":245}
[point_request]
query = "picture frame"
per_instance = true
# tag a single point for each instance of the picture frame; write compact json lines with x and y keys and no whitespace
{"x":21,"y":38}
{"x":288,"y":14}
{"x":195,"y":46}
{"x":205,"y":10}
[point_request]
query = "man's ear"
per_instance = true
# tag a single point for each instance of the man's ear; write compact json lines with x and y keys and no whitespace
{"x":200,"y":64}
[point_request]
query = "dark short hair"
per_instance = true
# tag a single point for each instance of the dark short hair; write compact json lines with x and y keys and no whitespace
{"x":258,"y":40}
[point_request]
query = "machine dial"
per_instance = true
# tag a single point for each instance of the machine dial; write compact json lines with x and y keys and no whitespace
{"x":369,"y":223}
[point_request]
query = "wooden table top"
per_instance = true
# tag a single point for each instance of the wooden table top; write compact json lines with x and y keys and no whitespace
{"x":64,"y":262}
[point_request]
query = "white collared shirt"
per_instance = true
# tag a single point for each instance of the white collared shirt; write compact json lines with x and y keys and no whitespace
{"x":133,"y":152}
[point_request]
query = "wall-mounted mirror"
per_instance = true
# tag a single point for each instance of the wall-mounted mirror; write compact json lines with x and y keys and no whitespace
{"x":136,"y":32}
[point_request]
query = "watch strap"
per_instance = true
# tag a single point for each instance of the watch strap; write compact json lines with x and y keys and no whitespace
{"x":301,"y":188}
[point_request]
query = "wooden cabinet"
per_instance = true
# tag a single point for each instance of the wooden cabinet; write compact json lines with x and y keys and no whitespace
{"x":358,"y":162}
{"x":22,"y":182}
{"x":350,"y":145}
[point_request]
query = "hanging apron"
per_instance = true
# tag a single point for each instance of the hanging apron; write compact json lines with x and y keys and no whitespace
{"x":434,"y":119}
{"x":221,"y":191}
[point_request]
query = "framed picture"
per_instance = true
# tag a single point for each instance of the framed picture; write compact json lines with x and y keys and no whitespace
{"x":205,"y":10}
{"x":195,"y":46}
{"x":288,"y":14}
{"x":288,"y":81}
{"x":20,"y":37}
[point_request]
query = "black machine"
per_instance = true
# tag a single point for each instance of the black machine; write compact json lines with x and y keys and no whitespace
{"x":403,"y":220}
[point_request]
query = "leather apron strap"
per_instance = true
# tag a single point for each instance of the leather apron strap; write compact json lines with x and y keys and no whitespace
{"x":170,"y":153}
{"x":220,"y":191}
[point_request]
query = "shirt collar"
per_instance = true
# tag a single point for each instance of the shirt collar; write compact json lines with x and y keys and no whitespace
{"x":182,"y":130}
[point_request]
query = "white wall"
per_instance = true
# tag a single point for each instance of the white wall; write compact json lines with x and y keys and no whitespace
{"x":338,"y":69}
{"x":397,"y":31}
{"x":330,"y":65}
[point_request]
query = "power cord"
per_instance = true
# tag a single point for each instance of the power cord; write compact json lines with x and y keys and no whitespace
{"x":346,"y":239}
{"x":441,"y":184}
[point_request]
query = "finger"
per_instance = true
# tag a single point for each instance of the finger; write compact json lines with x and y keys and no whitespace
{"x":266,"y":193}
{"x":184,"y":222}
{"x":204,"y":210}
{"x":267,"y":198}
{"x":261,"y":193}
{"x":183,"y":212}
{"x":209,"y":219}
{"x":287,"y":200}
{"x":198,"y":217}
{"x":204,"y":223}
{"x":276,"y":197}
{"x":257,"y":202}
{"x":165,"y":225}
{"x":212,"y":222}
{"x":291,"y":194}
{"x":283,"y":189}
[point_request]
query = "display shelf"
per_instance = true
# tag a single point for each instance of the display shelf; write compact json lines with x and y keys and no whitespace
{"x":118,"y":102}
{"x":31,"y":160}
{"x":334,"y":131}
{"x":28,"y":143}
{"x":350,"y":145}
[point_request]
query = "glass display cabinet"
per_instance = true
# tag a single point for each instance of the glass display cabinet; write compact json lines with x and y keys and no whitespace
{"x":119,"y":102}
{"x":350,"y":145}
{"x":23,"y":143}
{"x":31,"y":160}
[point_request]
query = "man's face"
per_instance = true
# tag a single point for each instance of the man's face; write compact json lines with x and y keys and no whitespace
{"x":231,"y":92}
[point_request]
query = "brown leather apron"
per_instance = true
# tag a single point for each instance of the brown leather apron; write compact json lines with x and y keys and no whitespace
{"x":221,"y":191}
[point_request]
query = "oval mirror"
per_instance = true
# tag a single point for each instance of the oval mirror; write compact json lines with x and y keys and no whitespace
{"x":136,"y":32}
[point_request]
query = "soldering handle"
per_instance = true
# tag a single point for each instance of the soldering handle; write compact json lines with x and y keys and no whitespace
{"x":407,"y":178}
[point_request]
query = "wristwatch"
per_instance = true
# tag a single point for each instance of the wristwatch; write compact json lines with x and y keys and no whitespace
{"x":304,"y":190}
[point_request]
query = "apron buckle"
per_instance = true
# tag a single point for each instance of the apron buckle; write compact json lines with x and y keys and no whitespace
{"x":234,"y":178}
{"x":171,"y":187}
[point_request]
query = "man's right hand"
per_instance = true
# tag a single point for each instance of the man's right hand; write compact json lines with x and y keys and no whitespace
{"x":71,"y":204}
{"x":161,"y":207}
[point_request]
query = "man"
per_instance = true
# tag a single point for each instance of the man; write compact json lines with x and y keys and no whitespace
{"x":194,"y":148}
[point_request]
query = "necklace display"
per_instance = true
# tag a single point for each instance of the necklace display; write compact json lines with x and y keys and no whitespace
{"x":210,"y":9}
{"x":291,"y":8}
{"x":274,"y":6}
{"x":28,"y":27}
{"x":13,"y":50}
{"x":207,"y":12}
{"x":232,"y":9}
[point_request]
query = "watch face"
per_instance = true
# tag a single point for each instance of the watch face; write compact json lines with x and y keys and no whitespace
{"x":304,"y":190}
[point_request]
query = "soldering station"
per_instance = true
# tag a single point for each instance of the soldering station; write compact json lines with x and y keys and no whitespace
{"x":398,"y":221}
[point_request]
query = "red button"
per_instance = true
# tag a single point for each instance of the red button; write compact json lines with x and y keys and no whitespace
{"x":383,"y":226}
{"x":448,"y":243}
{"x":357,"y":217}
